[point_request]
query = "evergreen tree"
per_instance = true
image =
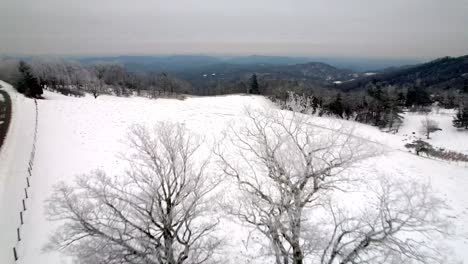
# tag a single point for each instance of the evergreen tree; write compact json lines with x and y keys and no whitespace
{"x":336,"y":107}
{"x":401,"y":98}
{"x":417,"y":96}
{"x":362,"y":111}
{"x":465,"y":87}
{"x":254,"y":87}
{"x":375,"y":113}
{"x":393,"y":117}
{"x":315,"y":104}
{"x":419,"y":146}
{"x":461,"y":118}
{"x":376,"y":92}
{"x":451,"y":102}
{"x":28,"y":84}
{"x":384,"y":110}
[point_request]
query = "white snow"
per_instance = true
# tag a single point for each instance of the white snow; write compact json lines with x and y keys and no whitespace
{"x":14,"y":157}
{"x":77,"y":135}
{"x":369,"y":73}
{"x":450,"y":137}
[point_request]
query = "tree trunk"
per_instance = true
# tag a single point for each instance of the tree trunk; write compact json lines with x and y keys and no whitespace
{"x":295,"y":218}
{"x":298,"y":256}
{"x":169,"y":252}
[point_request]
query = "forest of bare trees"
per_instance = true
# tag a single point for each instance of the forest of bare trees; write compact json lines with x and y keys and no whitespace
{"x":74,"y":79}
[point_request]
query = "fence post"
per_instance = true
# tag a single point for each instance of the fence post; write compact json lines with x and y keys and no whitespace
{"x":14,"y":254}
{"x":18,"y":233}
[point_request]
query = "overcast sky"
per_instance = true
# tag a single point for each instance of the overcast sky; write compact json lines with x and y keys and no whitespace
{"x":353,"y":28}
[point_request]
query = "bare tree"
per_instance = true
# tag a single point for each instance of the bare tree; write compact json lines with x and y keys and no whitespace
{"x":165,"y":83}
{"x":298,"y":103}
{"x":100,"y":73}
{"x":285,"y":168}
{"x":391,"y":229}
{"x":429,"y":126}
{"x":155,"y":213}
{"x":283,"y":164}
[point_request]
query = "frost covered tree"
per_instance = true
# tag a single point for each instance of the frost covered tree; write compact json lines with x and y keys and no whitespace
{"x":300,"y":103}
{"x":66,"y":77}
{"x":282,"y":167}
{"x":429,"y":126}
{"x":157,"y":212}
{"x":99,"y":71}
{"x":391,"y":229}
{"x":286,"y":168}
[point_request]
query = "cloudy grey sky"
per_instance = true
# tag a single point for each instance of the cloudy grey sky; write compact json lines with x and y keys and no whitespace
{"x":354,"y":28}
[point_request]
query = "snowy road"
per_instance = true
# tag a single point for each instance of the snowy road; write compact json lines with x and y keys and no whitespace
{"x":5,"y":115}
{"x":14,"y":158}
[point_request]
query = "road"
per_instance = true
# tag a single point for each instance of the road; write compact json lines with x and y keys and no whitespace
{"x":5,"y":115}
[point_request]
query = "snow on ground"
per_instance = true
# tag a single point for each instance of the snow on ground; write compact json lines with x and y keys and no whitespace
{"x":77,"y":135}
{"x":369,"y":73}
{"x":450,"y":137}
{"x":14,"y":158}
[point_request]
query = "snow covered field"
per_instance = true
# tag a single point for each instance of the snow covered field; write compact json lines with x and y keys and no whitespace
{"x":450,"y":137}
{"x":77,"y":135}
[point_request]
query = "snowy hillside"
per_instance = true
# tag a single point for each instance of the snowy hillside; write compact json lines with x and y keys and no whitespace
{"x":77,"y":135}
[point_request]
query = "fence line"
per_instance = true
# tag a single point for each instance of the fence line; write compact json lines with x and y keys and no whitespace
{"x":16,"y":253}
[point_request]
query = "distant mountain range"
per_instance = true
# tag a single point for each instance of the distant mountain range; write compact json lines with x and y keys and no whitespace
{"x":156,"y":63}
{"x":201,"y":70}
{"x":186,"y":62}
{"x":444,"y":73}
{"x":312,"y":71}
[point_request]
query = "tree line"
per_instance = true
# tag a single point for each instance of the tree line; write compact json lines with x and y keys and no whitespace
{"x":74,"y":79}
{"x":378,"y":103}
